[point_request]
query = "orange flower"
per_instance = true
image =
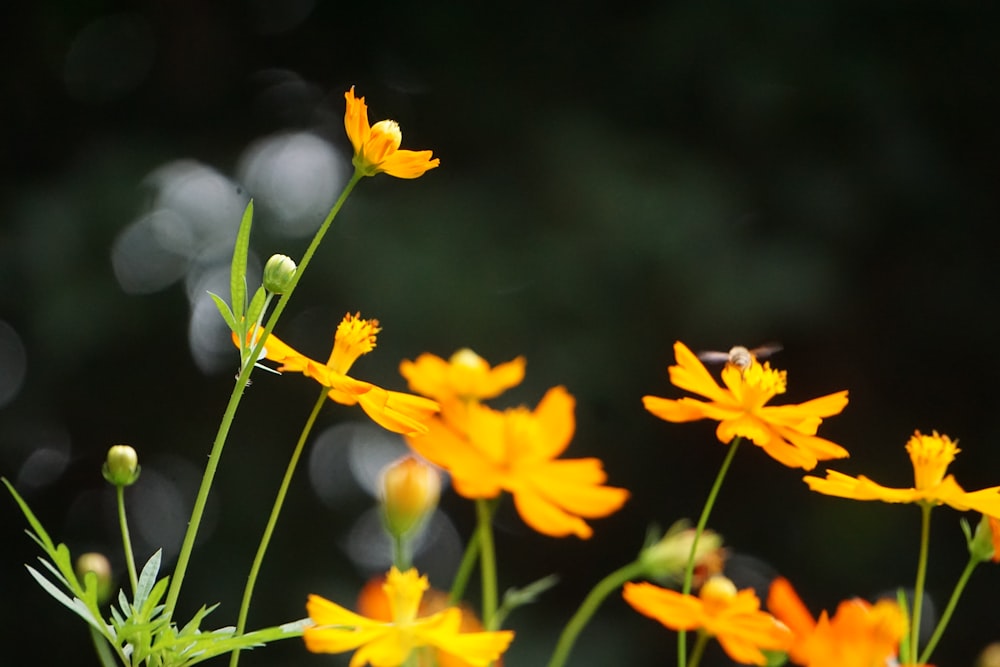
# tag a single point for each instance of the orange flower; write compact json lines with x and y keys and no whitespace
{"x":930,"y":456}
{"x":858,"y":635}
{"x":376,"y":147}
{"x":786,"y":432}
{"x":392,"y":410}
{"x":464,"y":376}
{"x":375,"y":604}
{"x":388,"y":642}
{"x":516,"y":451}
{"x":734,"y":618}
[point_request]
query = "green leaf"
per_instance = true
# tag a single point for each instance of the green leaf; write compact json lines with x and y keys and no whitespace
{"x":256,"y":305}
{"x":226,"y":313}
{"x":147,"y":578}
{"x":43,"y":538}
{"x":75,"y":605}
{"x":238,"y":271}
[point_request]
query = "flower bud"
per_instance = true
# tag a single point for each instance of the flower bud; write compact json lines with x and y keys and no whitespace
{"x":278,"y":273}
{"x":667,"y":558}
{"x":410,"y":489}
{"x":121,"y":467}
{"x":99,"y":565}
{"x":985,"y":542}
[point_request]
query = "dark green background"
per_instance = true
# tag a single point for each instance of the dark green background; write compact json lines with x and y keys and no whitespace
{"x":614,"y":177}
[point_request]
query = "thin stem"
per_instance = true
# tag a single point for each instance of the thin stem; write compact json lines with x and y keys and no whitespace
{"x":699,"y":649}
{"x":464,"y":570}
{"x":918,"y":588}
{"x":588,"y":608}
{"x":949,"y":610}
{"x":272,"y":521}
{"x":487,"y":560}
{"x":102,"y":647}
{"x":699,"y":529}
{"x":126,"y":538}
{"x":211,"y":467}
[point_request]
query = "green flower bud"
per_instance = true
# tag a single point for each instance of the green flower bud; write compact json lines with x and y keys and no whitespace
{"x":666,"y":559}
{"x":98,"y":564}
{"x":121,"y":468}
{"x":278,"y":273}
{"x":983,"y":544}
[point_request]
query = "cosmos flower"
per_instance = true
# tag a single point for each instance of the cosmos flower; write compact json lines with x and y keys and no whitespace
{"x":786,"y":432}
{"x":930,"y":456}
{"x":733,"y":617}
{"x":388,"y":642}
{"x":396,"y":411}
{"x":516,"y":451}
{"x":376,"y":147}
{"x":858,"y":635}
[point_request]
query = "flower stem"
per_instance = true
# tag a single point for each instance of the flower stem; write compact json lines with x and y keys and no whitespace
{"x":588,"y":607}
{"x":126,"y":539}
{"x":699,"y":529}
{"x":102,"y":647}
{"x":918,"y":588}
{"x":487,"y":559}
{"x":272,"y":521}
{"x":234,"y":400}
{"x":699,"y":649}
{"x":464,"y":570}
{"x":949,"y":610}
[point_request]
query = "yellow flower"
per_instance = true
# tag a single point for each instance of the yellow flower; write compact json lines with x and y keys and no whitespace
{"x":516,"y":451}
{"x":388,"y":643}
{"x":392,"y":410}
{"x":930,"y":456}
{"x":465,"y":376}
{"x":733,"y":618}
{"x":858,"y":635}
{"x":786,"y":432}
{"x":376,"y":147}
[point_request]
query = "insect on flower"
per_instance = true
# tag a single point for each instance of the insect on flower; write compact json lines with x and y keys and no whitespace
{"x":739,"y":356}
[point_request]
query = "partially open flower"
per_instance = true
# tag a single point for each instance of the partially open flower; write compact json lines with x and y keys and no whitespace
{"x":409,"y":490}
{"x":376,"y":147}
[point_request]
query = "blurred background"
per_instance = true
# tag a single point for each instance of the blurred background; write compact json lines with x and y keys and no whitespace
{"x":614,"y":177}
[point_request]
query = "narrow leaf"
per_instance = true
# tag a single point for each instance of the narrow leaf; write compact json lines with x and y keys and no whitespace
{"x":36,"y":525}
{"x":238,"y":271}
{"x":256,"y":305}
{"x":75,"y":605}
{"x":226,"y":313}
{"x":147,"y":578}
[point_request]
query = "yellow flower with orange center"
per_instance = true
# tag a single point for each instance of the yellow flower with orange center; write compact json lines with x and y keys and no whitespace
{"x":930,"y":456}
{"x":516,"y":451}
{"x":396,"y":411}
{"x":859,"y":634}
{"x":389,"y":642}
{"x":786,"y":432}
{"x":733,"y":617}
{"x":376,"y":147}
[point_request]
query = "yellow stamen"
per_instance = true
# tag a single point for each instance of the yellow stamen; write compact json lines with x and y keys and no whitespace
{"x":354,"y":337}
{"x":931,"y":455}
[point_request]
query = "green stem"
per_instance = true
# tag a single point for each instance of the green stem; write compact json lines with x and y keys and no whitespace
{"x":699,"y":648}
{"x":102,"y":647}
{"x":699,"y":529}
{"x":401,"y":552}
{"x":464,"y":570}
{"x":949,"y":610}
{"x":211,"y":467}
{"x":918,"y":588}
{"x":126,"y":538}
{"x":487,"y":560}
{"x":597,"y":595}
{"x":272,"y":521}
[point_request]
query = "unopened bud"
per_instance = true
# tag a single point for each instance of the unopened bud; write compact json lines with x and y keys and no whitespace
{"x":99,"y":565}
{"x":279,"y":271}
{"x":410,"y":489}
{"x":667,"y":558}
{"x":985,"y":542}
{"x":121,"y":467}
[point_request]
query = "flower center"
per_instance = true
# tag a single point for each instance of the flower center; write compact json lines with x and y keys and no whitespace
{"x":930,"y":455}
{"x":354,"y":337}
{"x":385,"y":140}
{"x":717,"y":593}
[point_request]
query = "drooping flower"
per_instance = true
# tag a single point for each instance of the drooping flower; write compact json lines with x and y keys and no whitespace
{"x":374,"y":603}
{"x":376,"y":147}
{"x":396,"y":411}
{"x":930,"y":456}
{"x":516,"y":451}
{"x":733,"y":617}
{"x":389,"y":642}
{"x":786,"y":432}
{"x":859,"y":634}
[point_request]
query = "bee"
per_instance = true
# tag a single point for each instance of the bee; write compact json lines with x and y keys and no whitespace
{"x":739,"y":356}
